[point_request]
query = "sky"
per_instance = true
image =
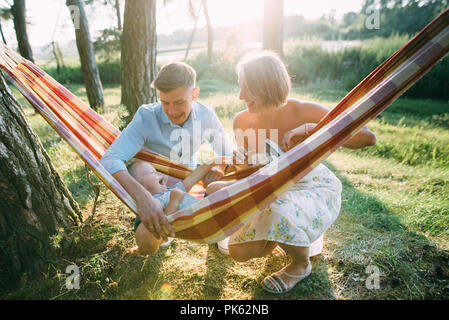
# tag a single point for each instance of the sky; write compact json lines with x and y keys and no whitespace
{"x":51,"y":18}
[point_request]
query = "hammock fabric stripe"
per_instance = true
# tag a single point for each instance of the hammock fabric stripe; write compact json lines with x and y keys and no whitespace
{"x":227,"y":210}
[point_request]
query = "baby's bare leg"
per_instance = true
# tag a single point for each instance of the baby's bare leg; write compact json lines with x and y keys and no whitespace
{"x":176,"y":196}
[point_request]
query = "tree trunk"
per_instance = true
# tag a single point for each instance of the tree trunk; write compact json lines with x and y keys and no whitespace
{"x":117,"y":12}
{"x":19,"y":17}
{"x":210,"y":33}
{"x":273,"y":26}
{"x":55,"y":54}
{"x":60,"y":55}
{"x":1,"y":32}
{"x":35,"y":203}
{"x":138,"y":55}
{"x":193,"y":31}
{"x":89,"y":67}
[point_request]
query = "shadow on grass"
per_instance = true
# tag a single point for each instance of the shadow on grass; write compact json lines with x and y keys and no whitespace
{"x":217,"y":267}
{"x":367,"y":233}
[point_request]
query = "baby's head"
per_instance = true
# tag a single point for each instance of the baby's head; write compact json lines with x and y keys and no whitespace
{"x":148,"y":177}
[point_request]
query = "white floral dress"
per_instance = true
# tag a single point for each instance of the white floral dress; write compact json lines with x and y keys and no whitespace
{"x":301,"y":215}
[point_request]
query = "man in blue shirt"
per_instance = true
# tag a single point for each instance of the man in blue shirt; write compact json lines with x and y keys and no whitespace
{"x":176,"y":127}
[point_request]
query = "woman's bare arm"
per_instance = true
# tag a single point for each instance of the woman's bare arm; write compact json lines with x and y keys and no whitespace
{"x":313,"y":113}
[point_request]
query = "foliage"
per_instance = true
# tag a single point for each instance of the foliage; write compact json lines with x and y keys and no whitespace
{"x":347,"y":67}
{"x":107,"y":45}
{"x":396,"y":17}
{"x":109,"y":73}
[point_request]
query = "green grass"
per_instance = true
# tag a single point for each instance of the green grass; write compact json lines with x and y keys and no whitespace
{"x":395,"y":216}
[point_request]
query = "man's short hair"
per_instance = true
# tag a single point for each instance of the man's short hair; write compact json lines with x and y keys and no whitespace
{"x":174,"y":75}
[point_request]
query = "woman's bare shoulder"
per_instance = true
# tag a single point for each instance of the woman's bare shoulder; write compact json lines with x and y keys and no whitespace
{"x":241,"y":119}
{"x":306,"y":107}
{"x":298,"y":104}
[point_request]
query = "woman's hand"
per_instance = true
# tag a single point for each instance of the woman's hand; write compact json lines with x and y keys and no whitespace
{"x":296,"y":136}
{"x":240,"y":156}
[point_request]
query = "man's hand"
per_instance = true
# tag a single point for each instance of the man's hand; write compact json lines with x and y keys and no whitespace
{"x":153,"y":217}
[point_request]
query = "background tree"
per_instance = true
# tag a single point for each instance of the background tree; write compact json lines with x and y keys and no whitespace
{"x":1,"y":32}
{"x":35,"y":203}
{"x":397,"y":17}
{"x":118,"y":14}
{"x":19,"y":18}
{"x":107,"y":44}
{"x":195,"y":8}
{"x":138,"y":54}
{"x":273,"y":26}
{"x":210,"y":30}
{"x":194,"y":16}
{"x":89,"y":67}
{"x":57,"y":54}
{"x":5,"y":14}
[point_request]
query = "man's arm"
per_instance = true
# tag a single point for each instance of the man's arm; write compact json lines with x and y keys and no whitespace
{"x":122,"y":150}
{"x":125,"y":146}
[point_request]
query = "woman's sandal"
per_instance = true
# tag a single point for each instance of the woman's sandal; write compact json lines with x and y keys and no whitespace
{"x":279,"y":252}
{"x":275,"y":284}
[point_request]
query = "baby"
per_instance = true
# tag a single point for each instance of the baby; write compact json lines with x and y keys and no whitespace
{"x":172,"y":198}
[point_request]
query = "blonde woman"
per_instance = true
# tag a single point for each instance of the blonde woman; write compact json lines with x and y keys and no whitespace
{"x":307,"y":210}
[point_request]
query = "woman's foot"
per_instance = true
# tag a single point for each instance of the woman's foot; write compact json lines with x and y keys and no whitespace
{"x":286,"y":279}
{"x":279,"y":252}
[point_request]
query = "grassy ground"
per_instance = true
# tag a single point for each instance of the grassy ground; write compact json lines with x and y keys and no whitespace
{"x":395,"y":217}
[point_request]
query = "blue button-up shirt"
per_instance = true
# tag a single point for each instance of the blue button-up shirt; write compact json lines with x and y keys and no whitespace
{"x":152,"y":128}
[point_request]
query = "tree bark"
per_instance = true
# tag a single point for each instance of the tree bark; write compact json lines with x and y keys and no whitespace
{"x":138,"y":54}
{"x":273,"y":21}
{"x":210,"y":33}
{"x":117,"y":12}
{"x":193,"y":30}
{"x":1,"y":32}
{"x":89,"y":67}
{"x":19,"y":17}
{"x":55,"y":54}
{"x":35,"y":203}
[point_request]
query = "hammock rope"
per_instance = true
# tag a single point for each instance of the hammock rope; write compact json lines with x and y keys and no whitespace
{"x":225,"y":211}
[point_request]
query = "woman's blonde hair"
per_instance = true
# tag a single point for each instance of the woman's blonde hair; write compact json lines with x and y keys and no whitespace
{"x":266,"y":78}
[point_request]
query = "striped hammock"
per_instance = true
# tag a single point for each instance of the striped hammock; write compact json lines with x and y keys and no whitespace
{"x":222,"y":213}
